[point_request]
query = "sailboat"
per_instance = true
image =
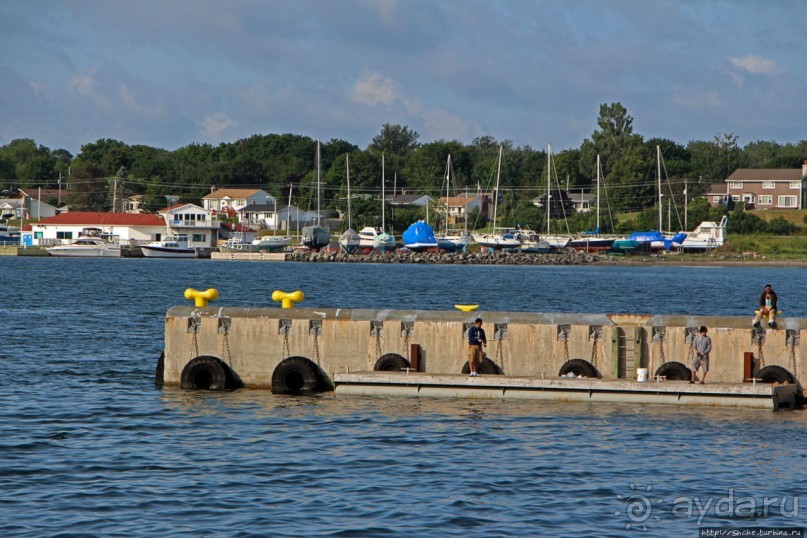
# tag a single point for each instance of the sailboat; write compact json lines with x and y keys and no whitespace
{"x":657,"y":238}
{"x":592,"y":241}
{"x":350,"y":240}
{"x":315,"y":237}
{"x":508,"y":240}
{"x":557,"y":242}
{"x":450,"y":240}
{"x":383,"y":241}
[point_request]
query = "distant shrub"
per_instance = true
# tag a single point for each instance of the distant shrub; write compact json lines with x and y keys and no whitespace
{"x":780,"y":226}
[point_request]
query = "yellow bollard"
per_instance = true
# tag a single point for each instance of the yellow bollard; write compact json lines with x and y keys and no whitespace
{"x":466,"y":307}
{"x":287,"y":300}
{"x":201,"y":297}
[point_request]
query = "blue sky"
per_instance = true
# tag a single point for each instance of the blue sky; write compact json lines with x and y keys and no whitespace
{"x":169,"y":73}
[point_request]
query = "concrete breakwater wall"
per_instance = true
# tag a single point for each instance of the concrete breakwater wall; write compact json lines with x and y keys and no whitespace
{"x":255,"y":345}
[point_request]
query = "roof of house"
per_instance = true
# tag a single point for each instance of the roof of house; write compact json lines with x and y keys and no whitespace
{"x":404,"y":199}
{"x":717,"y":188}
{"x":458,"y":201}
{"x":260,"y":208}
{"x":232,"y":193}
{"x":581,"y":197}
{"x":766,"y":174}
{"x":45,"y":194}
{"x":88,"y":218}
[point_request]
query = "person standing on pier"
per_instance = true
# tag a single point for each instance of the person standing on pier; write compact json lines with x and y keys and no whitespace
{"x":476,"y":341}
{"x":767,"y":306}
{"x":702,"y":345}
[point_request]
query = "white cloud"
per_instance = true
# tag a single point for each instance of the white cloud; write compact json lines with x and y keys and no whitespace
{"x":83,"y":84}
{"x":130,"y":101}
{"x":212,"y":126}
{"x":756,"y":65}
{"x":372,"y":88}
{"x":697,"y":100}
{"x":39,"y":89}
{"x":385,"y":9}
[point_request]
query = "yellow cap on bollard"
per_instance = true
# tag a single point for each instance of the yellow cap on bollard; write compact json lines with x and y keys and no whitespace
{"x":466,"y":307}
{"x":287,"y":300}
{"x":201,"y":297}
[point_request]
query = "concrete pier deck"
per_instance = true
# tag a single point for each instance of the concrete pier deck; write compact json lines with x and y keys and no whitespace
{"x":418,"y":384}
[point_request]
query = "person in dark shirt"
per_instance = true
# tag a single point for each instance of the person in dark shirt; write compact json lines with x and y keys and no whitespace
{"x":767,"y":306}
{"x":476,"y":341}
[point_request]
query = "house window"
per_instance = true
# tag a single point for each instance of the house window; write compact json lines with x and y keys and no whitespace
{"x":64,"y":235}
{"x":765,"y":199}
{"x":38,"y":235}
{"x":768,"y":185}
{"x":198,"y":238}
{"x":787,"y":201}
{"x":735,"y":185}
{"x":735,"y":197}
{"x":795,"y":184}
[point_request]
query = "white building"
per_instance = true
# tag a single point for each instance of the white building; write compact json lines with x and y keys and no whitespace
{"x":230,"y":201}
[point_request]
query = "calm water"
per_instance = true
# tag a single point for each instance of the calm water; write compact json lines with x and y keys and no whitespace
{"x":88,"y":446}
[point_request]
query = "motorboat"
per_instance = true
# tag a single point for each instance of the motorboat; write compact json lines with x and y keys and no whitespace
{"x":86,"y":247}
{"x":272,"y":242}
{"x":384,"y":242}
{"x":317,"y":236}
{"x":452,"y":242}
{"x":419,"y":236}
{"x":533,"y":242}
{"x":173,"y":246}
{"x":511,"y":239}
{"x":706,"y":236}
{"x":350,"y":241}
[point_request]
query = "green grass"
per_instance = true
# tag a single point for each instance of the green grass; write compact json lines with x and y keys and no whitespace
{"x":792,"y":247}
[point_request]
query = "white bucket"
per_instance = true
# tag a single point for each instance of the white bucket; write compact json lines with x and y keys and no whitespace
{"x":641,"y":375}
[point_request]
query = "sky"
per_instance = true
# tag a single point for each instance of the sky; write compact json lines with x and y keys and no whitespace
{"x":169,"y":73}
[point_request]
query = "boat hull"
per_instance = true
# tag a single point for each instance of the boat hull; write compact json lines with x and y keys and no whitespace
{"x":72,"y":252}
{"x":167,"y":252}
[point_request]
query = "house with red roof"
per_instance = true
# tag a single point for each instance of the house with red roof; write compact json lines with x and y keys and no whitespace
{"x":131,"y":228}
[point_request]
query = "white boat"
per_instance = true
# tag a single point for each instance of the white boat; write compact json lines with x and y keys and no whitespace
{"x":367,"y":236}
{"x":350,"y":240}
{"x":498,"y":241}
{"x":532,"y":242}
{"x":556,"y":241}
{"x":706,"y":236}
{"x":271,"y":242}
{"x":317,"y":236}
{"x":173,"y":246}
{"x":377,"y":238}
{"x":86,"y":247}
{"x":450,"y":240}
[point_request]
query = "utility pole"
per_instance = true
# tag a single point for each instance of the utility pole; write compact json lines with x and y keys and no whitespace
{"x":114,"y":194}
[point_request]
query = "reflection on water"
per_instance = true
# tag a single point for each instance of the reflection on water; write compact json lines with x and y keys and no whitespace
{"x":89,"y":446}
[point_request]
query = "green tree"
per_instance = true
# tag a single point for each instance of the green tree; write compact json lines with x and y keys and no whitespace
{"x":395,"y":140}
{"x":88,"y":190}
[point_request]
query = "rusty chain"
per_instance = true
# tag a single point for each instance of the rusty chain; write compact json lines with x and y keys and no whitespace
{"x":316,"y":345}
{"x":225,"y":344}
{"x":286,"y":346}
{"x":566,"y":346}
{"x":500,"y":354}
{"x":196,"y":325}
{"x":378,"y":344}
{"x":594,"y":350}
{"x":760,"y":352}
{"x":405,"y":351}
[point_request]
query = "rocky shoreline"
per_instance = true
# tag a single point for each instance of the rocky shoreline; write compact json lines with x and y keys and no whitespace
{"x":526,"y":258}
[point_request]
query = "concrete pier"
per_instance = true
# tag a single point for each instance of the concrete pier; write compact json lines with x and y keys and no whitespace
{"x":255,"y":345}
{"x":417,"y":384}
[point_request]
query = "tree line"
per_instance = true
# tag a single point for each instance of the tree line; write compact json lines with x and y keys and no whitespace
{"x":284,"y":166}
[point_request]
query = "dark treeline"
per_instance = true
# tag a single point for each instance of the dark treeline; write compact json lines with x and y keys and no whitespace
{"x":284,"y":165}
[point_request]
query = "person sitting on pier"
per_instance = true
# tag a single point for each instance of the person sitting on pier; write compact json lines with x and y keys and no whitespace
{"x":476,"y":340}
{"x":702,"y":345}
{"x":767,"y":306}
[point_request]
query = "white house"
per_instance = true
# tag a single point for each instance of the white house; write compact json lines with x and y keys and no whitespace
{"x":193,"y":221}
{"x":230,"y":201}
{"x":128,"y":228}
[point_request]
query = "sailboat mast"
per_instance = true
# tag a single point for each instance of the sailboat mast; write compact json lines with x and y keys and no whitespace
{"x":382,"y":193}
{"x":347,"y":171}
{"x":548,"y":183}
{"x":448,"y":188}
{"x":598,"y":193}
{"x":496,"y":194}
{"x":319,"y":172}
{"x":658,"y":165}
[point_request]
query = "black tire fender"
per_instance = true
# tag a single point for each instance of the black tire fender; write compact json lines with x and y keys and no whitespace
{"x":486,"y":367}
{"x":775,"y":374}
{"x":296,"y":375}
{"x":674,"y":371}
{"x":204,"y":373}
{"x":391,"y":362}
{"x":159,"y":371}
{"x":579,"y":367}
